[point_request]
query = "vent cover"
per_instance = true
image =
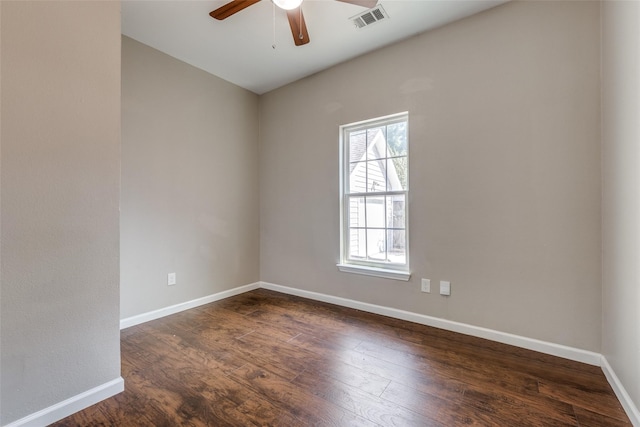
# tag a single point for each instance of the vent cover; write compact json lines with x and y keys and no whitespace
{"x":370,"y":17}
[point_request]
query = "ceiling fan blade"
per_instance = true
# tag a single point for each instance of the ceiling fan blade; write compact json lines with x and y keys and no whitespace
{"x":231,"y":8}
{"x":364,"y":3}
{"x":298,"y":26}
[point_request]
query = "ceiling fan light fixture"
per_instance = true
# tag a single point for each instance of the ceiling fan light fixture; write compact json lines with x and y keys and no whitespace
{"x":287,"y":4}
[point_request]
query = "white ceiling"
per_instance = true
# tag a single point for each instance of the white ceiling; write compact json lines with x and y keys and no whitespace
{"x":239,"y":49}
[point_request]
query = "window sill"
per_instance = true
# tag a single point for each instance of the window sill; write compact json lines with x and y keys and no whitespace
{"x":373,"y":271}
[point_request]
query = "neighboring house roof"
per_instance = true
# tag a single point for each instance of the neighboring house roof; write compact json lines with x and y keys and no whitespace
{"x":378,"y":147}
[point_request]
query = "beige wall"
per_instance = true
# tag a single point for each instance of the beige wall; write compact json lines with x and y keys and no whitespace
{"x":60,"y":166}
{"x":189,"y":182}
{"x":621,"y":191}
{"x":504,"y":112}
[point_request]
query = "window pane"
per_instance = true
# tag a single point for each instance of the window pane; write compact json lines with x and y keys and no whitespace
{"x":397,"y":174}
{"x":376,"y":143}
{"x":356,"y":212}
{"x":375,"y":212}
{"x":357,"y":146}
{"x":376,"y":245}
{"x":358,"y":177}
{"x":357,"y":244}
{"x":397,"y":139}
{"x":377,"y":175}
{"x":396,"y":246}
{"x":396,"y":211}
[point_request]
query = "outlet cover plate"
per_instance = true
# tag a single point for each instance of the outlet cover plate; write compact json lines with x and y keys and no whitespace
{"x":445,"y":288}
{"x":171,"y":279}
{"x":426,"y":285}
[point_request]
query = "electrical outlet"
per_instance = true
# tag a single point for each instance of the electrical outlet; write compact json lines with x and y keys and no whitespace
{"x":426,"y":286}
{"x":445,"y":288}
{"x":171,"y":279}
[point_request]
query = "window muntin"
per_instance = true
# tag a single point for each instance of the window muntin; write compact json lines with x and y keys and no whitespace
{"x":374,"y":193}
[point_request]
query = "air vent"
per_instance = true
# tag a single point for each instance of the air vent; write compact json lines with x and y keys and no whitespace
{"x":370,"y":17}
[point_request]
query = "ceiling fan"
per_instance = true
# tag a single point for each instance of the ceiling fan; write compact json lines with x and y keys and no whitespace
{"x":294,"y":14}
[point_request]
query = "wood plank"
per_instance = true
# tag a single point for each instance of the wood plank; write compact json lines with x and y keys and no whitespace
{"x":588,"y":418}
{"x":454,"y":366}
{"x":303,"y":323}
{"x":265,"y":413}
{"x":595,"y":400}
{"x":297,"y":401}
{"x":512,"y":410}
{"x":226,"y":320}
{"x":446,"y":412}
{"x":375,"y":409}
{"x":356,"y":369}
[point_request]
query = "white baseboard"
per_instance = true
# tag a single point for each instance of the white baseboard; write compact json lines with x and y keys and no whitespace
{"x":553,"y":349}
{"x":70,"y":406}
{"x":627,"y":403}
{"x":172,"y":309}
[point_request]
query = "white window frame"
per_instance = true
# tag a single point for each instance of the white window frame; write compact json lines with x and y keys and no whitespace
{"x":387,"y":270}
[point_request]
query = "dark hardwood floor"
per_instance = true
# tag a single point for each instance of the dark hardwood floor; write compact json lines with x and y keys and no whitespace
{"x":269,"y":359}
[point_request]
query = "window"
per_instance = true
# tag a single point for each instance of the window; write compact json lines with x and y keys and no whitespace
{"x":374,"y":192}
